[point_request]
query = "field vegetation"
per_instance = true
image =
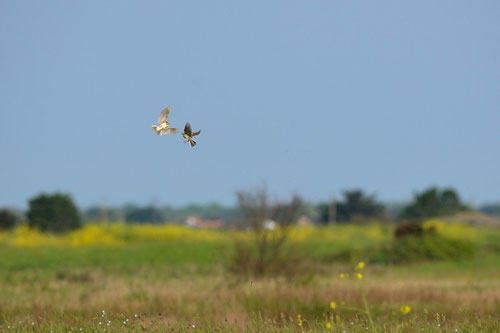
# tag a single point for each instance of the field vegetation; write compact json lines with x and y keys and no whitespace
{"x":119,"y":277}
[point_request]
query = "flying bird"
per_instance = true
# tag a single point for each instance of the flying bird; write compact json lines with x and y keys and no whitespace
{"x":188,"y":135}
{"x":163,"y":124}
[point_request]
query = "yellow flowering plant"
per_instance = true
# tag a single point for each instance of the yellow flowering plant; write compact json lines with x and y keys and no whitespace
{"x":359,"y":266}
{"x":366,"y":310}
{"x":405,"y":309}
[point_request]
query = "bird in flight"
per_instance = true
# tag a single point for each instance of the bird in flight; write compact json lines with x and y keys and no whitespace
{"x":163,"y":124}
{"x":188,"y":135}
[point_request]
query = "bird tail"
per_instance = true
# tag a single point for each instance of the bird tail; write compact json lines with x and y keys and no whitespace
{"x":192,"y":143}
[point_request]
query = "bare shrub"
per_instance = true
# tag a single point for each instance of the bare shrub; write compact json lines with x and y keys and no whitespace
{"x":266,"y":253}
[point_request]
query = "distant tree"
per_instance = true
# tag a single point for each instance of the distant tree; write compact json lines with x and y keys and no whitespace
{"x":433,"y":202}
{"x":357,"y":204}
{"x":394,"y":209}
{"x":325,"y":212}
{"x":209,"y":211}
{"x":145,"y":215}
{"x":322,"y":209}
{"x":491,"y":209}
{"x":53,"y":212}
{"x":170,"y":214}
{"x":8,"y":219}
{"x":99,"y":213}
{"x":176,"y":214}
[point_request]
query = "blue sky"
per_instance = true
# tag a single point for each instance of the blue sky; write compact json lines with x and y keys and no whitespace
{"x":307,"y":96}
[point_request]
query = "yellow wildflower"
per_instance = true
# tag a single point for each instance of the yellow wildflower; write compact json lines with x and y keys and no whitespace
{"x":328,"y":325}
{"x":299,"y":317}
{"x":359,"y":276}
{"x":405,"y":309}
{"x":341,"y":275}
{"x":360,"y":266}
{"x":333,"y":305}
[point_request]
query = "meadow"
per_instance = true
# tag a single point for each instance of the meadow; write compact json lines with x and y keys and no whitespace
{"x":120,"y":278}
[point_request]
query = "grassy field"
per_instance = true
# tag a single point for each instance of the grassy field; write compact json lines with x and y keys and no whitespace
{"x":114,"y":278}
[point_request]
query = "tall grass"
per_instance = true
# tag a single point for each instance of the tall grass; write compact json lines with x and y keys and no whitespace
{"x":172,"y":277}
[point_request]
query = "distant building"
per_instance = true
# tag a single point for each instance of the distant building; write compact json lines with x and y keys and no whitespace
{"x":304,"y":221}
{"x":269,"y":225}
{"x":195,"y":221}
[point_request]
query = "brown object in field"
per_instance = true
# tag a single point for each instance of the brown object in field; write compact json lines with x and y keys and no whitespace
{"x":409,"y":229}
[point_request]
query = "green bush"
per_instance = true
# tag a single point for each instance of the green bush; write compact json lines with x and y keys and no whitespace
{"x":428,"y":247}
{"x":53,"y":212}
{"x":8,"y":219}
{"x":410,"y":249}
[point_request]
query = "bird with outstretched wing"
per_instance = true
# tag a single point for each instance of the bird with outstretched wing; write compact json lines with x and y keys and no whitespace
{"x":188,"y":135}
{"x":163,"y":125}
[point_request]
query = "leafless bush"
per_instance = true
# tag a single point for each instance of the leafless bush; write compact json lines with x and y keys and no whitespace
{"x":265,"y":253}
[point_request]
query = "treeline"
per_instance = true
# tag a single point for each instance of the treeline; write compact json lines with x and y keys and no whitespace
{"x":57,"y":212}
{"x":357,"y":206}
{"x":155,"y":214}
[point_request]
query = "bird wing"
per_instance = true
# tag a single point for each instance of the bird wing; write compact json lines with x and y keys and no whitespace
{"x":164,"y":114}
{"x":196,"y":133}
{"x":187,"y":130}
{"x":168,"y":131}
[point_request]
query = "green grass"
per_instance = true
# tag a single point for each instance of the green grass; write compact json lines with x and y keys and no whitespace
{"x":172,"y":254}
{"x":173,"y":284}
